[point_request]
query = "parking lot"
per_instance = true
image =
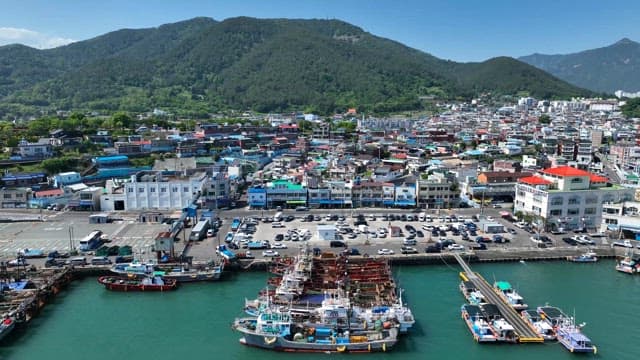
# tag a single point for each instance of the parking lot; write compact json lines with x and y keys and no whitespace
{"x":67,"y":229}
{"x":369,"y":241}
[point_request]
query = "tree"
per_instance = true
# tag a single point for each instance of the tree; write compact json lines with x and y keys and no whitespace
{"x":631,"y":108}
{"x":544,"y":119}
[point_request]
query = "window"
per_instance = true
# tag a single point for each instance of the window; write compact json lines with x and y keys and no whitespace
{"x":163,"y":189}
{"x":576,"y":180}
{"x":7,"y":196}
{"x":174,"y":189}
{"x":574,"y":201}
{"x":152,"y":190}
{"x":185,"y":189}
{"x":19,"y":195}
{"x":556,"y":212}
{"x":591,"y":200}
{"x":141,"y":190}
{"x":572,"y":212}
{"x":557,"y":201}
{"x":130,"y":190}
{"x":589,"y":211}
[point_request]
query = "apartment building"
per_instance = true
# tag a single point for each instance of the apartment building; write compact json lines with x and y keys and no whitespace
{"x":164,"y":190}
{"x":568,"y":198}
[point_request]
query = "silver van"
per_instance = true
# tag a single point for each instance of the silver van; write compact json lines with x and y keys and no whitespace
{"x":100,"y":260}
{"x":78,"y":261}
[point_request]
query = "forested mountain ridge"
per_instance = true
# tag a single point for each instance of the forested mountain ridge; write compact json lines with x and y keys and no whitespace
{"x":201,"y":65}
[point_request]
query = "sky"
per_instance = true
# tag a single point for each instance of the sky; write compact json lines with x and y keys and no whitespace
{"x":459,"y":30}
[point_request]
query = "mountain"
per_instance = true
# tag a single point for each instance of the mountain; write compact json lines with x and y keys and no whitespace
{"x":606,"y":69}
{"x":202,"y":65}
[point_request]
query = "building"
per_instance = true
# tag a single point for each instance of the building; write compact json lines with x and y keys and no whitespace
{"x":438,"y":191}
{"x":326,"y":232}
{"x":257,"y":197}
{"x":218,"y":191}
{"x":66,"y":178}
{"x":40,"y":150}
{"x":285,"y":193}
{"x":567,"y":198}
{"x":163,"y":190}
{"x":622,"y":216}
{"x":15,"y":197}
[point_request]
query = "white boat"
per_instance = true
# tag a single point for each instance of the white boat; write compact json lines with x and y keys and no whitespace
{"x":588,"y":257}
{"x":504,"y":331}
{"x":504,"y":289}
{"x":477,"y":324}
{"x":541,"y":326}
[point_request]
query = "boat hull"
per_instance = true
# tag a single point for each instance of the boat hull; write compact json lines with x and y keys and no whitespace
{"x":281,"y":344}
{"x":128,"y":285}
{"x":7,"y":328}
{"x":201,"y":276}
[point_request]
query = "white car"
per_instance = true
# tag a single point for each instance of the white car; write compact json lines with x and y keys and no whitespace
{"x":270,"y":253}
{"x":455,"y":247}
{"x":278,"y":246}
{"x":385,"y":252}
{"x":489,"y":218}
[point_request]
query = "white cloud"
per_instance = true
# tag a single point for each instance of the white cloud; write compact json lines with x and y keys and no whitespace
{"x":9,"y":35}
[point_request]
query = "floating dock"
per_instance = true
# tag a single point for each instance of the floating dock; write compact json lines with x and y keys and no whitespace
{"x":525,"y":333}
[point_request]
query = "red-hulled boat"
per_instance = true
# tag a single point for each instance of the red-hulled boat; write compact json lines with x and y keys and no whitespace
{"x":122,"y":283}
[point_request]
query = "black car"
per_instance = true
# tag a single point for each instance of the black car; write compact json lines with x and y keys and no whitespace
{"x":409,"y":228}
{"x":360,"y":222}
{"x":419,"y":234}
{"x":443,"y":233}
{"x":53,"y":262}
{"x":403,"y":217}
{"x":433,"y":249}
{"x":279,"y":237}
{"x":480,"y":246}
{"x":385,"y":218}
{"x":337,"y":243}
{"x":570,"y":241}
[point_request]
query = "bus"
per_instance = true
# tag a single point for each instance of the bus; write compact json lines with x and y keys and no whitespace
{"x":199,"y":231}
{"x":91,"y":241}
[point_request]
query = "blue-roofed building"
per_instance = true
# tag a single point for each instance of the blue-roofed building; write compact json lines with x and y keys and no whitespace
{"x":111,"y":161}
{"x":23,"y":179}
{"x":66,"y":178}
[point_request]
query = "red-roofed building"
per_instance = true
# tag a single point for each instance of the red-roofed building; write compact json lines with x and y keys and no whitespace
{"x":568,"y":198}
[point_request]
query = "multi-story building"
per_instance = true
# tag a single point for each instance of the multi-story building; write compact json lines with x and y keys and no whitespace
{"x":257,"y":197}
{"x":164,"y":190}
{"x":566,"y":197}
{"x":217,"y":192}
{"x":285,"y":193}
{"x":40,"y":150}
{"x":372,"y":194}
{"x":438,"y":191}
{"x":15,"y":197}
{"x":626,"y":156}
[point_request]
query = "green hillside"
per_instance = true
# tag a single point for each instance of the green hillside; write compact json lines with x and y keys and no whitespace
{"x":199,"y":66}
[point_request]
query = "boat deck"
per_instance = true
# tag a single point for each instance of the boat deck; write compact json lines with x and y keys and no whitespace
{"x":526,"y":334}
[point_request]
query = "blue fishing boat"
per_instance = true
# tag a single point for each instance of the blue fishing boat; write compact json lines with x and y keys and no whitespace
{"x":568,"y":333}
{"x":588,"y":257}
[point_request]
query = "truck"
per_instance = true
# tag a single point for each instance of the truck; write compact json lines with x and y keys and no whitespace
{"x":257,"y":245}
{"x":199,"y":231}
{"x":223,"y":251}
{"x":235,"y":224}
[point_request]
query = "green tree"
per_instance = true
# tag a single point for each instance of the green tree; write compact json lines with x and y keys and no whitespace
{"x":544,"y":119}
{"x":632,"y":108}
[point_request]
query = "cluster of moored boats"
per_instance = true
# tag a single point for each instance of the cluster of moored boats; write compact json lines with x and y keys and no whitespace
{"x":326,"y":304}
{"x":148,"y":276}
{"x":487,"y":324}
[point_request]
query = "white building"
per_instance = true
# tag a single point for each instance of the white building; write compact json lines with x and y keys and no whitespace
{"x":566,"y":197}
{"x":40,"y":150}
{"x":326,"y":232}
{"x":163,"y":190}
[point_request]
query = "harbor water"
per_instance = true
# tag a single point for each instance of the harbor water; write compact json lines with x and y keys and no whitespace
{"x":88,"y":322}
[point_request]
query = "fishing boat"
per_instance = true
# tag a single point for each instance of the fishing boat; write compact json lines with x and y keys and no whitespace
{"x":503,"y":330}
{"x":539,"y":325}
{"x":478,"y":324}
{"x":628,"y":265}
{"x":6,"y":326}
{"x":504,"y":289}
{"x":588,"y":257}
{"x":275,"y":329}
{"x":182,"y":273}
{"x":147,"y":283}
{"x":568,"y":333}
{"x":135,"y":268}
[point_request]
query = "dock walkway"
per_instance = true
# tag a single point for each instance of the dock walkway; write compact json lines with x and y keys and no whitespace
{"x":525,"y":333}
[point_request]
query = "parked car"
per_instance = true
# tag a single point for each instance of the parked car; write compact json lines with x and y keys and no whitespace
{"x":512,"y":231}
{"x":385,"y":252}
{"x":54,"y":262}
{"x":17,"y":262}
{"x":302,"y":208}
{"x":270,"y":253}
{"x":100,"y":260}
{"x":337,"y":243}
{"x":480,"y":246}
{"x":409,"y":241}
{"x":455,"y":247}
{"x":433,"y":249}
{"x":408,"y":250}
{"x":419,"y":234}
{"x":351,"y":251}
{"x":278,"y":246}
{"x":279,"y":237}
{"x":570,"y":241}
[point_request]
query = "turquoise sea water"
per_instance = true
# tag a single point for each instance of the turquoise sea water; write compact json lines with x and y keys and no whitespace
{"x":88,"y":322}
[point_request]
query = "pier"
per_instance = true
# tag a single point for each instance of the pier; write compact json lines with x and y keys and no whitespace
{"x":525,"y":333}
